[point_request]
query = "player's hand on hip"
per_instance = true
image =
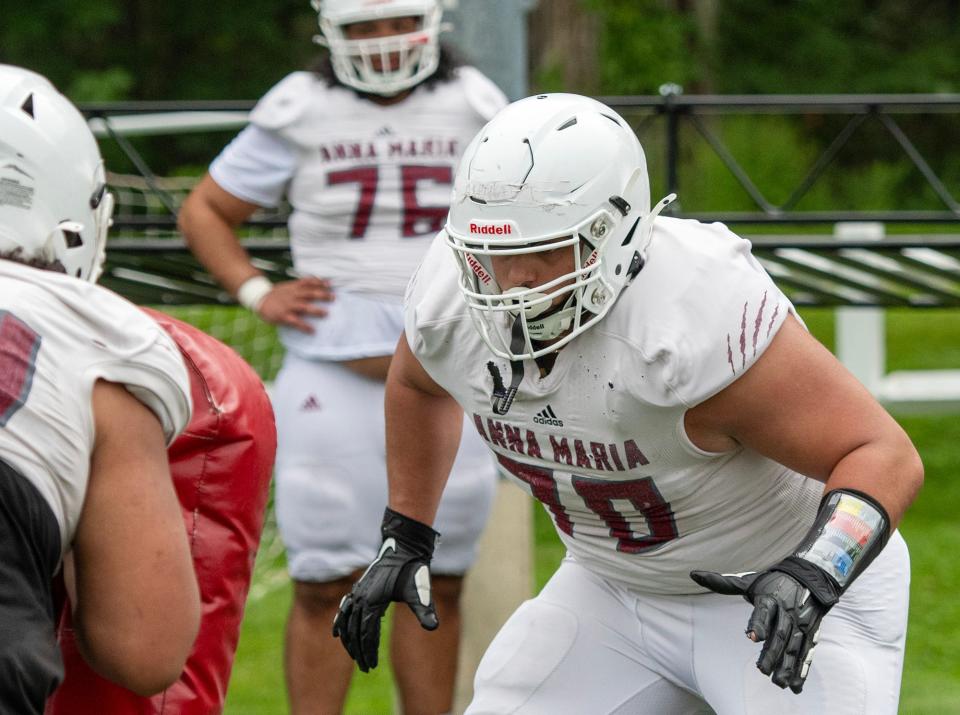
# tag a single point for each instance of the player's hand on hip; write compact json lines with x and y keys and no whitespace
{"x":289,"y":302}
{"x":401,"y":572}
{"x":786,"y":617}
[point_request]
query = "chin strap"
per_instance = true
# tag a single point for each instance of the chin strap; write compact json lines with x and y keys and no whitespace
{"x":553,"y":325}
{"x":502,"y":396}
{"x":646,"y":231}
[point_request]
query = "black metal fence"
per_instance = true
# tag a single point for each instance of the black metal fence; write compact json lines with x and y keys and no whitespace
{"x":917,"y":270}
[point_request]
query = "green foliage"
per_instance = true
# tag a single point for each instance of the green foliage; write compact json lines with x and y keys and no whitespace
{"x":139,"y":49}
{"x":109,"y":85}
{"x":644,"y":44}
{"x":822,"y":46}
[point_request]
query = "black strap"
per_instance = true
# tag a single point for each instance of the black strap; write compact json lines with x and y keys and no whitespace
{"x":820,"y":584}
{"x":415,"y":535}
{"x":503,"y":398}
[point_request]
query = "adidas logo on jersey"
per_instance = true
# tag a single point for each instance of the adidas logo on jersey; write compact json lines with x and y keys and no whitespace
{"x":547,"y":416}
{"x":311,"y":404}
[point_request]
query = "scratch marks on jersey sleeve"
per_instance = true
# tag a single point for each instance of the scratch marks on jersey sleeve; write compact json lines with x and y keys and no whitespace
{"x":758,"y":320}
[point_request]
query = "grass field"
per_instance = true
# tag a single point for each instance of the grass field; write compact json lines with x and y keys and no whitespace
{"x":931,"y":681}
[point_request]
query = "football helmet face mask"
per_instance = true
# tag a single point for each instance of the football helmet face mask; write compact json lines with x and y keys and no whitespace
{"x":416,"y":55}
{"x":55,"y":207}
{"x":551,"y":172}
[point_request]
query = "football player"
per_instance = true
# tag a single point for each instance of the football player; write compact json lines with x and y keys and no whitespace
{"x":645,"y":379}
{"x":221,"y":467}
{"x":364,"y":148}
{"x":91,"y":393}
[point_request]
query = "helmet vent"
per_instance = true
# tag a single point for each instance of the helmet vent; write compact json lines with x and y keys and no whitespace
{"x":620,"y":204}
{"x":477,"y":200}
{"x":96,"y":198}
{"x":72,"y":238}
{"x":629,"y":237}
{"x":613,"y":119}
{"x":27,"y":106}
{"x":567,"y":124}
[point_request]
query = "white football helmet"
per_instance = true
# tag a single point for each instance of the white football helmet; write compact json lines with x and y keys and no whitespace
{"x":418,"y":52}
{"x":54,"y":205}
{"x":551,"y":171}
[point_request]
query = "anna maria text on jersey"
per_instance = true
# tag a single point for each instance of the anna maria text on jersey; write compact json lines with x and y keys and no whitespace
{"x":569,"y":451}
{"x":390,"y":147}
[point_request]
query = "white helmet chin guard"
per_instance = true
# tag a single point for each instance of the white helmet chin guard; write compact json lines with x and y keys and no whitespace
{"x":54,"y":206}
{"x":547,"y":173}
{"x":417,"y":54}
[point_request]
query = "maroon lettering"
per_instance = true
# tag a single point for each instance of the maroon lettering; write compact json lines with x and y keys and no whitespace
{"x":514,"y":441}
{"x":561,"y":451}
{"x":582,"y":460}
{"x":478,"y":423}
{"x":616,"y":457}
{"x":417,"y":219}
{"x":18,"y":353}
{"x":600,"y":495}
{"x":599,"y":453}
{"x":543,"y":487}
{"x":634,"y":455}
{"x":496,"y":433}
{"x":367,"y":178}
{"x":533,"y":447}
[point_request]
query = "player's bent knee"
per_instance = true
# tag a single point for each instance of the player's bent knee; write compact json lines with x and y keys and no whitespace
{"x":447,"y":590}
{"x":524,"y":655}
{"x":319,"y":599}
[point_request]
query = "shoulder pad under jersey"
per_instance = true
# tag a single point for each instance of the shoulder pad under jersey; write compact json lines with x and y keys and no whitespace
{"x":704,"y":306}
{"x":483,"y":95}
{"x":286,"y":102}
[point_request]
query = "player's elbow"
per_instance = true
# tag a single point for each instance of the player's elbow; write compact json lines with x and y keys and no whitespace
{"x":147,"y":657}
{"x":187,"y":218}
{"x":910,"y":469}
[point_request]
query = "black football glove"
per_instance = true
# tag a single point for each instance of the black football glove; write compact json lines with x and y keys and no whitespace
{"x":789,"y":601}
{"x":401,"y":572}
{"x":792,"y":597}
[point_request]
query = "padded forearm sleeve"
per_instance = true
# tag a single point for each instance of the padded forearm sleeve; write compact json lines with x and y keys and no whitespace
{"x":850,"y":530}
{"x":221,"y":467}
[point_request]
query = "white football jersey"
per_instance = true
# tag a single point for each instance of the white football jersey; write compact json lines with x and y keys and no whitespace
{"x":601,"y":441}
{"x":369,"y":184}
{"x":58,"y":336}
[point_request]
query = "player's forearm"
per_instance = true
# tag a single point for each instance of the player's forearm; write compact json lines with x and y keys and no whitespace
{"x":423,"y":435}
{"x":215,"y":244}
{"x":890,"y":471}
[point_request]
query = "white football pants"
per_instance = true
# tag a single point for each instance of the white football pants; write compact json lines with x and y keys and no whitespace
{"x":589,"y":646}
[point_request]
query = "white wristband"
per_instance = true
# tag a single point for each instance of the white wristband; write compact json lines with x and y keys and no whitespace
{"x":251,"y":294}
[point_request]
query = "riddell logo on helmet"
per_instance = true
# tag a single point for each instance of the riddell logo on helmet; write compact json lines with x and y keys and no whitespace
{"x":492,"y":229}
{"x":478,"y":269}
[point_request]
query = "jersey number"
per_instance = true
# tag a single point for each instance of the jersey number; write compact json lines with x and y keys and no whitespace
{"x":18,"y":354}
{"x":417,"y":219}
{"x":601,"y":495}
